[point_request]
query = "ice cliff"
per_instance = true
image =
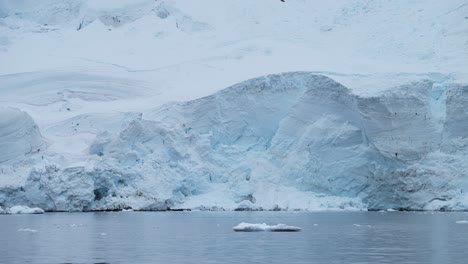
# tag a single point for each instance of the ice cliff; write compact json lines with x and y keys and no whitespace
{"x":285,"y":141}
{"x":19,"y":134}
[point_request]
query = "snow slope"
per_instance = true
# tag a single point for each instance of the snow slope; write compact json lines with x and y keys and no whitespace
{"x":119,"y":106}
{"x":190,"y":49}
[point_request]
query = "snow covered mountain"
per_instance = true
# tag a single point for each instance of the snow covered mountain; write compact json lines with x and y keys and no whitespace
{"x":116,"y":104}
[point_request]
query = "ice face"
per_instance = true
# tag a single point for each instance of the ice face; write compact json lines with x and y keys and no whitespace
{"x":19,"y":135}
{"x":279,"y":142}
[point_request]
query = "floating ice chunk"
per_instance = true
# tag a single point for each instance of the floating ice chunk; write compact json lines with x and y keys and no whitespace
{"x":248,"y":227}
{"x":382,"y":211}
{"x":75,"y":225}
{"x":391,"y":210}
{"x":27,"y":230}
{"x":358,"y":225}
{"x":127,"y":210}
{"x":103,"y":234}
{"x":462,"y":222}
{"x":19,"y":209}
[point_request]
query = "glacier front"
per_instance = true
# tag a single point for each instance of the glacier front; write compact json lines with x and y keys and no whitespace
{"x":290,"y":141}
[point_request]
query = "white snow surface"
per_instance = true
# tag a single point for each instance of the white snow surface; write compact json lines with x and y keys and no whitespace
{"x":117,"y":104}
{"x":249,"y":227}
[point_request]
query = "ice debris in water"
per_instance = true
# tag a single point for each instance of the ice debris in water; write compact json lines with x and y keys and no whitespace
{"x":75,"y":225}
{"x":27,"y":230}
{"x":248,"y":227}
{"x":462,"y":222}
{"x":19,"y":209}
{"x":358,"y":225}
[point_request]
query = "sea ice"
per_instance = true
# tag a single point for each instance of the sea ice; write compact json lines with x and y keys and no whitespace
{"x":19,"y":209}
{"x":75,"y":225}
{"x":462,"y":222}
{"x":248,"y":227}
{"x":27,"y":230}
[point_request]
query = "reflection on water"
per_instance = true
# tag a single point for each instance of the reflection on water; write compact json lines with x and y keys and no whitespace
{"x":207,"y":237}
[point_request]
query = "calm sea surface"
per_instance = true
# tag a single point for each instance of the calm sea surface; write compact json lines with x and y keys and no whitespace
{"x":207,"y":237}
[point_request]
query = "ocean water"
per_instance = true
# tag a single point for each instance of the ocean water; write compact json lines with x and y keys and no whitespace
{"x":207,"y":237}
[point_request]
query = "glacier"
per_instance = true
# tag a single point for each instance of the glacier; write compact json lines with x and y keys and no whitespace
{"x":289,"y":141}
{"x":116,"y":105}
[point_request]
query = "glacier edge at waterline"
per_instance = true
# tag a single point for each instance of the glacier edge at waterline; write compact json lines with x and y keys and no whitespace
{"x":290,"y":141}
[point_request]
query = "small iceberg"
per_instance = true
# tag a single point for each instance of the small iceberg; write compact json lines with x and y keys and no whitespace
{"x":27,"y":230}
{"x":19,"y":209}
{"x":462,"y":222}
{"x":248,"y":227}
{"x":358,"y":225}
{"x":75,"y":225}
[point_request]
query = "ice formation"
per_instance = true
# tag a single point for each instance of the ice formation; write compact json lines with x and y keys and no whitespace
{"x":280,"y":142}
{"x":19,"y":209}
{"x":248,"y":227}
{"x":142,"y":125}
{"x":29,"y":230}
{"x":19,"y":135}
{"x":462,"y":222}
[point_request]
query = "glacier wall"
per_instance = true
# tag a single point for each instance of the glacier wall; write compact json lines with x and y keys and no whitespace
{"x":285,"y":141}
{"x":19,"y":135}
